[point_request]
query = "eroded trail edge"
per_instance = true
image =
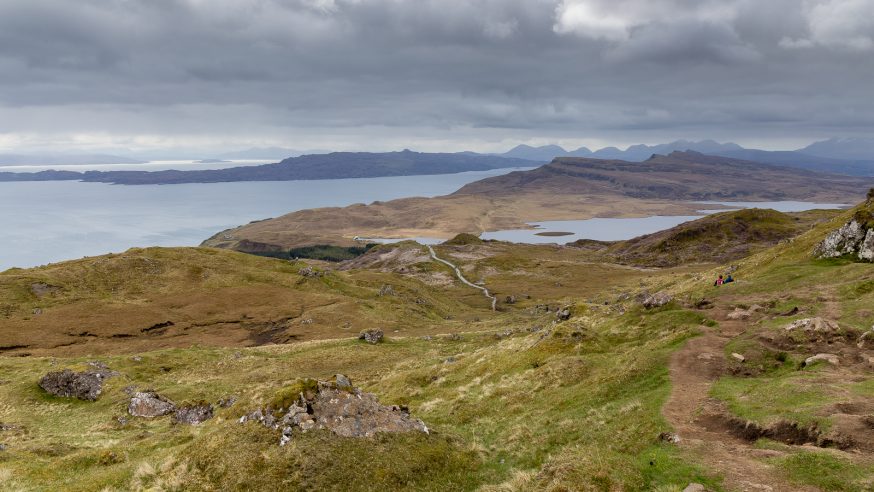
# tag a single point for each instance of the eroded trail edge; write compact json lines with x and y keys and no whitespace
{"x":693,"y":370}
{"x":465,"y":281}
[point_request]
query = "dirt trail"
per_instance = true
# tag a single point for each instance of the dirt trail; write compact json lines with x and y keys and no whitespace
{"x":693,"y":369}
{"x":464,"y":280}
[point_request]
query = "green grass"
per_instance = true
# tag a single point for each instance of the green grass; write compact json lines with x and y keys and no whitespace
{"x":825,"y":471}
{"x":584,"y":409}
{"x":785,"y":394}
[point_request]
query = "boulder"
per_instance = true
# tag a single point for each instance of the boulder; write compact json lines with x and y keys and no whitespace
{"x":855,"y":238}
{"x":372,"y":336}
{"x":149,"y":404}
{"x":510,"y":300}
{"x":816,"y":325}
{"x":830,"y":358}
{"x":563,"y":314}
{"x":658,"y":299}
{"x":738,"y":357}
{"x":193,"y":414}
{"x":669,"y":437}
{"x":86,"y":385}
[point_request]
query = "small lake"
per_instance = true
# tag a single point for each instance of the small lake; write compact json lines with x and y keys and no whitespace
{"x":44,"y":222}
{"x":621,"y":229}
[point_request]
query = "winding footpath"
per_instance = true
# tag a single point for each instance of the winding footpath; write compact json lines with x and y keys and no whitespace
{"x":464,"y":280}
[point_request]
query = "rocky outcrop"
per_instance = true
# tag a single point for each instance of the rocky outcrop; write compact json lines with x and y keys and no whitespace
{"x":854,"y":239}
{"x":815,"y":325}
{"x":86,"y":385}
{"x":193,"y":414}
{"x":372,"y":336}
{"x":149,"y":404}
{"x":658,"y":299}
{"x":338,"y":407}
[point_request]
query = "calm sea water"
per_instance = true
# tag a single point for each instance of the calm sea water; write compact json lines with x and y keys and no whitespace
{"x":180,"y":165}
{"x":45,"y":222}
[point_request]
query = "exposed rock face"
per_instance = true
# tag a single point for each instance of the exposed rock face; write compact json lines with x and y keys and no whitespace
{"x":658,"y":299}
{"x":855,"y":238}
{"x":86,"y":385}
{"x":193,"y":414}
{"x":339,"y":407}
{"x":150,"y":404}
{"x":372,"y":336}
{"x":41,"y":289}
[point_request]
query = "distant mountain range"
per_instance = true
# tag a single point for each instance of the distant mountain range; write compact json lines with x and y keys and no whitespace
{"x":848,"y":156}
{"x":336,"y":165}
{"x":852,"y":156}
{"x":63,"y":159}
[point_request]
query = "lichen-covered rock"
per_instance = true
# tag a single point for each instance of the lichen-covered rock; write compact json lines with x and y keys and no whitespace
{"x":193,"y":414}
{"x":150,"y":404}
{"x":816,"y":325}
{"x":340,"y":408}
{"x":855,"y":238}
{"x":371,"y":336}
{"x":86,"y":385}
{"x":658,"y":299}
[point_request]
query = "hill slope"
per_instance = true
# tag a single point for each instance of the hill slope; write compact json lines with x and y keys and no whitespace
{"x":565,"y":189}
{"x":717,"y":238}
{"x":679,"y":176}
{"x":337,"y":165}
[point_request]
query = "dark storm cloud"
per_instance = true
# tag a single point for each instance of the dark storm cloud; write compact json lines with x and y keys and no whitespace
{"x":430,"y":73}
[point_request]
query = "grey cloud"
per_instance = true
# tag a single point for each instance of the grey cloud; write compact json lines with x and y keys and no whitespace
{"x":421,"y":73}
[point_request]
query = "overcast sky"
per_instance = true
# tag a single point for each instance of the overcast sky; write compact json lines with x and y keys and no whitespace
{"x":431,"y":74}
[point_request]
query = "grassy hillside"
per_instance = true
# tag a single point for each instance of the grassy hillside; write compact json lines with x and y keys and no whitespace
{"x":716,"y":238}
{"x":527,"y":398}
{"x":176,"y":297}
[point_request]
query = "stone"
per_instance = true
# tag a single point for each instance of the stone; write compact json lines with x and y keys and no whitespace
{"x":739,"y":315}
{"x":738,"y":357}
{"x":818,"y":325}
{"x":658,"y":299}
{"x":454,"y":337}
{"x":149,"y":404}
{"x":866,"y":249}
{"x":227,"y":401}
{"x":85,"y":385}
{"x":851,"y":239}
{"x":342,"y":382}
{"x":563,"y":314}
{"x":695,"y":487}
{"x":372,"y":336}
{"x":2,"y":447}
{"x":310,"y":272}
{"x":830,"y":358}
{"x":193,"y":414}
{"x":669,"y":437}
{"x":510,"y":300}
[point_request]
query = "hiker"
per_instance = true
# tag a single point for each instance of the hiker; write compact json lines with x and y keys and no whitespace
{"x":728,"y":279}
{"x":719,"y":281}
